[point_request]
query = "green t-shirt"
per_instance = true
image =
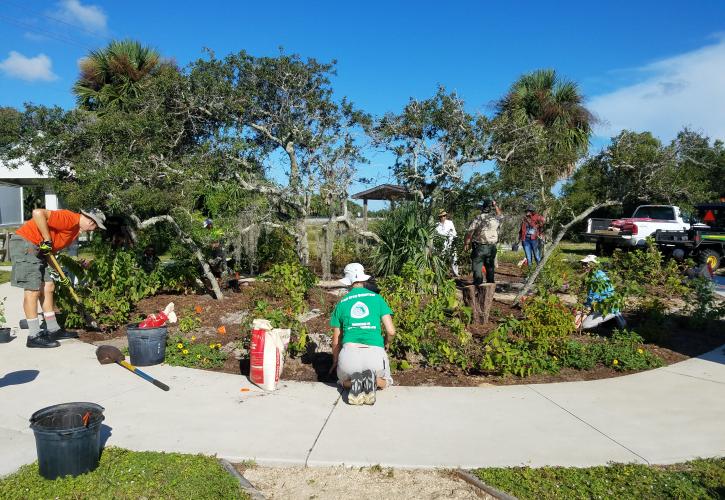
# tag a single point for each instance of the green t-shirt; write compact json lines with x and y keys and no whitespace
{"x":358,"y":316}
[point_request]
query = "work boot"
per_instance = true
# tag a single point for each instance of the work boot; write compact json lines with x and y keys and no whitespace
{"x":356,"y":395}
{"x":62,"y":334}
{"x":369,"y":386}
{"x":42,"y":340}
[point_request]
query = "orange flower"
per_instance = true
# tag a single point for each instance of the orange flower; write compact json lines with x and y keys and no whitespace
{"x":198,"y":309}
{"x":222,"y":330}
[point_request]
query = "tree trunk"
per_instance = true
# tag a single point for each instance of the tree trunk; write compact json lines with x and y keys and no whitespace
{"x":330,"y":232}
{"x":469,"y":298}
{"x":303,"y":246}
{"x":550,"y":250}
{"x":191,"y":244}
{"x":484,"y":298}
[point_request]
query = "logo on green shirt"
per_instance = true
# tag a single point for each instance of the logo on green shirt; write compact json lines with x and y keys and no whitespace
{"x":359,"y":310}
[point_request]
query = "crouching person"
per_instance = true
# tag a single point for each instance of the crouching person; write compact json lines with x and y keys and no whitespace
{"x":600,"y":289}
{"x":360,"y":355}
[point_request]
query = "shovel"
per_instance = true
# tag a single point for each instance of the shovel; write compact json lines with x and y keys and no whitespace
{"x":108,"y":354}
{"x":90,"y":322}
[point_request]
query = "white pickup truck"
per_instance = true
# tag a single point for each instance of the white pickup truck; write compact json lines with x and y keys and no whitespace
{"x":632,"y":232}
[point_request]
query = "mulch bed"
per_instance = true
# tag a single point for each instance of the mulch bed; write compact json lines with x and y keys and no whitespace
{"x":682,"y":343}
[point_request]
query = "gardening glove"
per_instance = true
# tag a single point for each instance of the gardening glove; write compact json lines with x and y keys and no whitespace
{"x":45,"y":247}
{"x":65,"y":281}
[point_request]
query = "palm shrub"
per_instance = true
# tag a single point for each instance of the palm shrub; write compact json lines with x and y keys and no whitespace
{"x":408,"y":236}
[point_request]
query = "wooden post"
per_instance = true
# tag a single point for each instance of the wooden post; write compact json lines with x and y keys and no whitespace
{"x":484,"y":299}
{"x":365,"y":214}
{"x":469,"y":298}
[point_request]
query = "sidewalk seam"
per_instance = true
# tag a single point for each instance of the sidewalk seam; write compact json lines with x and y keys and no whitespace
{"x":324,"y":424}
{"x":590,"y":425}
{"x":695,"y":377}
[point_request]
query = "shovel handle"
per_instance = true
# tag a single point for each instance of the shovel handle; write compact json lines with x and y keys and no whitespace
{"x":143,"y":375}
{"x":57,"y":267}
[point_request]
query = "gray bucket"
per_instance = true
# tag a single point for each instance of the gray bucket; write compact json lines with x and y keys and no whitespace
{"x":146,"y":346}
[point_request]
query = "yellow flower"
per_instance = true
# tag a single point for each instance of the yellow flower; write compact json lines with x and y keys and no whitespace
{"x":640,"y":351}
{"x":185,"y":351}
{"x":198,"y":356}
{"x":218,"y":346}
{"x":555,"y":358}
{"x":615,"y":362}
{"x":180,"y":345}
{"x":211,"y":346}
{"x":193,"y":338}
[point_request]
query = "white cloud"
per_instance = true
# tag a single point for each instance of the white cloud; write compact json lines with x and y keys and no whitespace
{"x":28,"y":68}
{"x":684,"y":90}
{"x":90,"y":17}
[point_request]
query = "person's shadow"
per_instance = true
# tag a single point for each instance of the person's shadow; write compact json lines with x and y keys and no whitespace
{"x":18,"y":377}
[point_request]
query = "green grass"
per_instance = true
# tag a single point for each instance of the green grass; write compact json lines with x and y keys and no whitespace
{"x":4,"y":277}
{"x":124,"y":474}
{"x":696,"y":479}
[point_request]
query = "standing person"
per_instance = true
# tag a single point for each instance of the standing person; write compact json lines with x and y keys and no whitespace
{"x":46,"y":232}
{"x":361,"y":361}
{"x":530,"y":235}
{"x":600,"y":289}
{"x":483,"y":232}
{"x":447,"y":230}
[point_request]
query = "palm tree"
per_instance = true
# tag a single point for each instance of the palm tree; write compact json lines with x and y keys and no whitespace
{"x":111,"y":76}
{"x":556,"y":105}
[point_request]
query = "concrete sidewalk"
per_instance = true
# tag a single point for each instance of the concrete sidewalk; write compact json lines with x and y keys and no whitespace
{"x":661,"y":416}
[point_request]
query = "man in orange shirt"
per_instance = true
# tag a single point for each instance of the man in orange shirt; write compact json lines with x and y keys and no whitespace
{"x":46,"y":232}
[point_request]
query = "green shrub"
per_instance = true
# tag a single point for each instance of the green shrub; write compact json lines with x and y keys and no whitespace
{"x":347,"y":249}
{"x":193,"y":354}
{"x":647,"y":272}
{"x":275,"y":246}
{"x":291,"y":281}
{"x":2,"y":311}
{"x":188,"y":321}
{"x":532,"y":344}
{"x":428,"y":318}
{"x":624,"y":351}
{"x":703,"y":306}
{"x":579,"y":356}
{"x":109,"y":286}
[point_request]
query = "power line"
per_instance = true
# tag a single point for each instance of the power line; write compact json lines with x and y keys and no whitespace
{"x":41,"y":31}
{"x":56,"y":19}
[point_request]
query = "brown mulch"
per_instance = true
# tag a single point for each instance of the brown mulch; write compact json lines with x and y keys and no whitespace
{"x":681,"y":343}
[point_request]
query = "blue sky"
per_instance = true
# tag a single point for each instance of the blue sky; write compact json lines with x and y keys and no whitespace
{"x":656,"y":65}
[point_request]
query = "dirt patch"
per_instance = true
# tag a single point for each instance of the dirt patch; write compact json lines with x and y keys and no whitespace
{"x":359,"y":483}
{"x":234,"y":312}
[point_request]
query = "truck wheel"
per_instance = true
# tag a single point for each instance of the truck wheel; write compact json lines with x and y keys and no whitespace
{"x":711,"y":258}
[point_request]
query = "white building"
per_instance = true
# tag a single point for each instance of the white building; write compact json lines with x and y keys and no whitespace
{"x":15,"y":176}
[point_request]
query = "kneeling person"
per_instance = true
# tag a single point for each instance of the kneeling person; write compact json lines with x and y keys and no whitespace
{"x":360,"y":358}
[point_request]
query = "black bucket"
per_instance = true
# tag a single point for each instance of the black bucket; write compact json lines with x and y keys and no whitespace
{"x":146,"y":346}
{"x":5,"y":335}
{"x":68,"y":438}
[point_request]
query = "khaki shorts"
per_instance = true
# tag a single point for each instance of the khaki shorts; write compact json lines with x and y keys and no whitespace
{"x":30,"y":271}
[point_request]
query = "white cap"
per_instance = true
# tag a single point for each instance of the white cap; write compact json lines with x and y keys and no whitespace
{"x":354,"y":272}
{"x":589,"y":258}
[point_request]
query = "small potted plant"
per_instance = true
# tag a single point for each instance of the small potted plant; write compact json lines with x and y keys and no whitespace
{"x":4,"y":332}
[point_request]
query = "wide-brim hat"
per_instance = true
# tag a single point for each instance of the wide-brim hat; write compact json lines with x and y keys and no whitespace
{"x":97,"y":216}
{"x":442,"y":213}
{"x":353,"y":273}
{"x":589,"y":259}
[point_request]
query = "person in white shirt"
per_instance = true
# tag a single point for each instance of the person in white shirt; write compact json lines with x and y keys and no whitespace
{"x":447,"y":230}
